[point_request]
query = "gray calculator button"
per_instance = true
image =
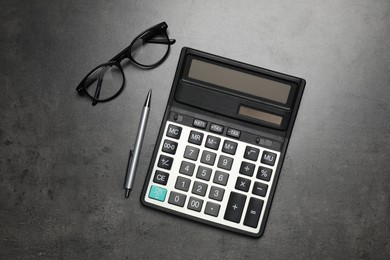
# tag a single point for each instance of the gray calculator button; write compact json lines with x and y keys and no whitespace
{"x":165,"y":162}
{"x":243,"y":184}
{"x":187,"y":168}
{"x":177,"y":199}
{"x":253,"y":212}
{"x":233,"y":133}
{"x":174,"y":131}
{"x":268,"y":158}
{"x":216,"y":193}
{"x":195,"y":137}
{"x":229,"y":147}
{"x":203,"y":173}
{"x":260,"y":189}
{"x":264,"y":173}
{"x":225,"y":162}
{"x":247,"y":168}
{"x":251,"y":153}
{"x":182,"y":183}
{"x":199,"y":123}
{"x":216,"y":128}
{"x":212,"y":209}
{"x":169,"y":147}
{"x":199,"y":188}
{"x":221,"y":178}
{"x":161,"y":177}
{"x":212,"y":142}
{"x":195,"y":204}
{"x":208,"y":157}
{"x":191,"y":153}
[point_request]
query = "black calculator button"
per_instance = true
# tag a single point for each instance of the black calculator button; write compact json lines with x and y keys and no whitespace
{"x":208,"y":158}
{"x":264,"y":173}
{"x":169,"y":147}
{"x":177,"y":199}
{"x":251,"y":153}
{"x":191,"y":153}
{"x":182,"y":183}
{"x":165,"y":162}
{"x":174,"y":131}
{"x":199,"y":188}
{"x":161,"y":177}
{"x":212,"y":209}
{"x":203,"y":173}
{"x":253,"y":212}
{"x":233,"y":133}
{"x":195,"y":138}
{"x":225,"y":162}
{"x":260,"y":189}
{"x":216,"y":128}
{"x":229,"y":147}
{"x":243,"y":184}
{"x":221,"y":178}
{"x":235,"y":207}
{"x":216,"y":193}
{"x":247,"y":168}
{"x":199,"y":123}
{"x":268,"y":158}
{"x":187,"y":168}
{"x":195,"y":204}
{"x":212,"y":142}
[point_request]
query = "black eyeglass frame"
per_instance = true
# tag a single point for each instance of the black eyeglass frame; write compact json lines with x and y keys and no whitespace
{"x":126,"y":53}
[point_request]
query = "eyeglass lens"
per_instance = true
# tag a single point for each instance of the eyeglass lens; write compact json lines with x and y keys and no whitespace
{"x":110,"y":78}
{"x":150,"y":48}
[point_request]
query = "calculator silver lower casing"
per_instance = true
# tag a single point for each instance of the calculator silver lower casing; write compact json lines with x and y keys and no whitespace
{"x":263,"y":137}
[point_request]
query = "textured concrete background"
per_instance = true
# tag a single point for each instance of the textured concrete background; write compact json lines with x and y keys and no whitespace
{"x":62,"y":161}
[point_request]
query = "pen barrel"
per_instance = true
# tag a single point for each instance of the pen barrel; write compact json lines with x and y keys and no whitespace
{"x":133,"y":162}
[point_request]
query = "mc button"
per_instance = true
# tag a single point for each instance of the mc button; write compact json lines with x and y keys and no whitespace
{"x":174,"y":131}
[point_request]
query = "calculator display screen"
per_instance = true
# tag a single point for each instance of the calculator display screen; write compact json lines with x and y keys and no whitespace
{"x":239,"y":81}
{"x":261,"y":115}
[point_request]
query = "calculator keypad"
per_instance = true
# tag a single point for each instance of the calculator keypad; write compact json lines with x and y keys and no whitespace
{"x":211,"y":176}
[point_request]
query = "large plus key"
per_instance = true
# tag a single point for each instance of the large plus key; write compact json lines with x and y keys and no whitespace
{"x":235,"y":207}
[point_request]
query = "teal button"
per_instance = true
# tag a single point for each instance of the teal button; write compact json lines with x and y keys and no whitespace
{"x":157,"y":193}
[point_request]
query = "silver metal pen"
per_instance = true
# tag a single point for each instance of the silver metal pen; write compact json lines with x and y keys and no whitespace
{"x":134,"y":155}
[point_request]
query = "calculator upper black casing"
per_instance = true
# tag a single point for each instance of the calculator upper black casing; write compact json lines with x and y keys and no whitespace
{"x":281,"y":135}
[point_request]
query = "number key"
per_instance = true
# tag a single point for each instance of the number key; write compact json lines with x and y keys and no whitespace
{"x":187,"y":168}
{"x":225,"y":162}
{"x":216,"y":193}
{"x":221,"y":178}
{"x":208,"y":157}
{"x":177,"y":199}
{"x":204,"y":173}
{"x":195,"y":204}
{"x":191,"y":153}
{"x":199,"y":188}
{"x":182,"y":183}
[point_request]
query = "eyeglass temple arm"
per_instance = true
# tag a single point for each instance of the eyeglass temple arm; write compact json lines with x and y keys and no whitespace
{"x":98,"y":87}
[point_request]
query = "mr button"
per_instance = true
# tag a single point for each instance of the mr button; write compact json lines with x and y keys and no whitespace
{"x":161,"y":177}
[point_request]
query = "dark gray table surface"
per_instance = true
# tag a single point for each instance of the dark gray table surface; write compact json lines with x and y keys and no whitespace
{"x":62,"y":161}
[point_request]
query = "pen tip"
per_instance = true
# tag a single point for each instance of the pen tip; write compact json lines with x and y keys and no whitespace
{"x":127,"y":193}
{"x":148,"y":98}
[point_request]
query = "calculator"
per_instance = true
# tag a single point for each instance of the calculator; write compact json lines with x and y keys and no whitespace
{"x":222,"y":142}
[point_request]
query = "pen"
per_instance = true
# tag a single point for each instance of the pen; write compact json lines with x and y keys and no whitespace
{"x":134,"y":155}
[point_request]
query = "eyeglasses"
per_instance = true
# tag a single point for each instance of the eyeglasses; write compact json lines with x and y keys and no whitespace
{"x":148,"y":50}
